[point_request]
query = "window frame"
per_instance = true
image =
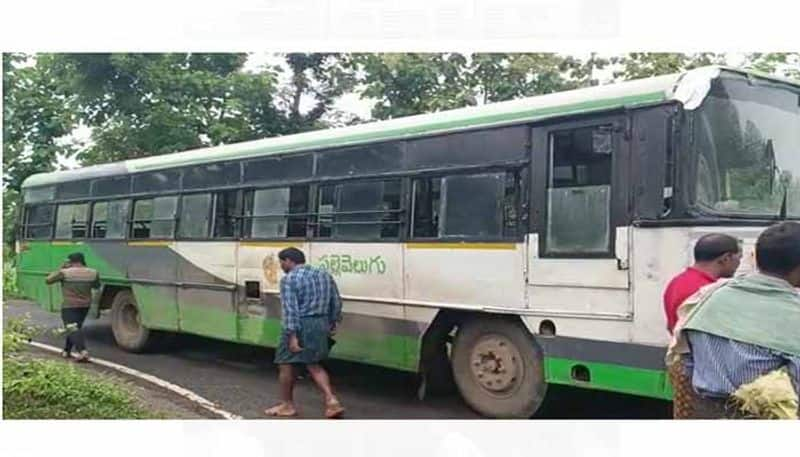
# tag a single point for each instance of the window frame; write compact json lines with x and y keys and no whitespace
{"x":619,"y":206}
{"x":126,"y":223}
{"x":174,"y":219}
{"x":237,"y":217}
{"x":179,"y":219}
{"x":245,"y":232}
{"x":51,"y":224}
{"x":88,"y":215}
{"x":402,"y":212}
{"x":519,"y":171}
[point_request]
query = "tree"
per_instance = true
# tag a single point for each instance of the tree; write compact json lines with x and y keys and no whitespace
{"x":407,"y":84}
{"x":500,"y":77}
{"x":323,"y":77}
{"x":36,"y":117}
{"x":780,"y":64}
{"x":148,"y":104}
{"x":639,"y":65}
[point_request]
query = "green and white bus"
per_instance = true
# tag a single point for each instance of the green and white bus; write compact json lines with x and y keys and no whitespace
{"x":499,"y":248}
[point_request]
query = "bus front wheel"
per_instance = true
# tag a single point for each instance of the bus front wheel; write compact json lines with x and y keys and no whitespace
{"x":498,"y":368}
{"x":126,"y":323}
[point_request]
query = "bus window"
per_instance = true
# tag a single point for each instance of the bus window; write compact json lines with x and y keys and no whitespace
{"x":277,"y":213}
{"x":195,"y":217}
{"x":226,"y":212}
{"x":156,"y":181}
{"x":38,"y":221}
{"x":481,"y":206}
{"x":109,"y":219}
{"x":154,"y":217}
{"x":71,"y":221}
{"x":204,"y":176}
{"x":579,"y":192}
{"x":427,"y":203}
{"x":360,"y":210}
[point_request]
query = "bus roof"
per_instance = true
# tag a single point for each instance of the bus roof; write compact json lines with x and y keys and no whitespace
{"x":597,"y":98}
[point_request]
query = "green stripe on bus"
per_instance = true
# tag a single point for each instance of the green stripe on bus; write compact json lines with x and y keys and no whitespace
{"x":615,"y":378}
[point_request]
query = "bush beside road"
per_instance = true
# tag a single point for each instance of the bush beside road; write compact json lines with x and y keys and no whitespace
{"x":37,"y":385}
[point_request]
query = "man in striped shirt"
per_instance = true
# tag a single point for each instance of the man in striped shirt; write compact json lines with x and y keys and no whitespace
{"x":311,"y":310}
{"x":77,"y":281}
{"x":748,"y":327}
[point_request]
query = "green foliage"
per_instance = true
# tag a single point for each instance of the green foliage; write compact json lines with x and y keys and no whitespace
{"x":638,"y":65}
{"x":786,"y":64}
{"x":407,"y":84}
{"x":37,"y":112}
{"x":11,"y":199}
{"x":501,"y":77}
{"x":10,"y":286}
{"x":148,"y":104}
{"x":47,"y":389}
{"x":16,"y":332}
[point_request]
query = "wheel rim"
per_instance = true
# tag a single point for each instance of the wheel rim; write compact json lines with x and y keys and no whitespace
{"x":495,"y":363}
{"x":129,"y":319}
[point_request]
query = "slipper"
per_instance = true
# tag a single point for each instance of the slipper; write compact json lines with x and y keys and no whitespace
{"x":280,"y":411}
{"x":334,"y":410}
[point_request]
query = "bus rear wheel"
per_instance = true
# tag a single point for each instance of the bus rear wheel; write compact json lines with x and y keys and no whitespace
{"x":498,"y":368}
{"x":126,"y":323}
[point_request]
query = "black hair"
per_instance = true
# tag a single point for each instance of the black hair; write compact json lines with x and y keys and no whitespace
{"x":77,"y":257}
{"x":778,"y":249}
{"x":714,"y":246}
{"x":293,"y":254}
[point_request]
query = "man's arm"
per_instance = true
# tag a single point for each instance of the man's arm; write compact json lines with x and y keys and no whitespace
{"x":96,"y":283}
{"x":291,"y":308}
{"x":793,"y":367}
{"x":54,"y":277}
{"x":335,"y":306}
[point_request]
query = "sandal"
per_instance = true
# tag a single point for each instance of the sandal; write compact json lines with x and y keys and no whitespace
{"x":281,"y":410}
{"x":334,"y":410}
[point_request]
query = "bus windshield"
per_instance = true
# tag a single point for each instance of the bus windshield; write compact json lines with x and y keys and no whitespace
{"x":747,"y":139}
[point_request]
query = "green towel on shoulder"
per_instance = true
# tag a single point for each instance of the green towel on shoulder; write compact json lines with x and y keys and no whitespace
{"x":754,"y":309}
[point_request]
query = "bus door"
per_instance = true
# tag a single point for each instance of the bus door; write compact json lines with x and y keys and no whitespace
{"x":206,"y":268}
{"x":578,"y":245}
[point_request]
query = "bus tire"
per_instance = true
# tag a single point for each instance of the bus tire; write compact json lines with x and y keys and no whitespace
{"x":129,"y":333}
{"x":498,"y":368}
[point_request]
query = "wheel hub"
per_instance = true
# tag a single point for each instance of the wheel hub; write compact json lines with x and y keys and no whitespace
{"x":495,"y":363}
{"x":130,"y":318}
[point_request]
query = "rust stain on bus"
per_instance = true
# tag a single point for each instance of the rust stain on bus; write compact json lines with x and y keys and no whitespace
{"x":270,"y":267}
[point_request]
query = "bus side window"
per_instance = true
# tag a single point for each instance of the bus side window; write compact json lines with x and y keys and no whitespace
{"x":154,"y":218}
{"x":226,"y":213}
{"x":466,"y":206}
{"x":276,"y":213}
{"x":109,"y":219}
{"x":579,"y":191}
{"x":38,"y":221}
{"x":195,"y":219}
{"x":72,"y":221}
{"x":362,"y":210}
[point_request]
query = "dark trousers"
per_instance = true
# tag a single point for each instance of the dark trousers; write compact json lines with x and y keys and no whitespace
{"x":73,"y":321}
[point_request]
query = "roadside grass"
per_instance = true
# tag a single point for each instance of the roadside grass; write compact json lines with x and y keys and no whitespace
{"x":35,"y":388}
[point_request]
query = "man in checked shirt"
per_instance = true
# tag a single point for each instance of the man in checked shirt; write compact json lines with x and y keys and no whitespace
{"x":311,"y":309}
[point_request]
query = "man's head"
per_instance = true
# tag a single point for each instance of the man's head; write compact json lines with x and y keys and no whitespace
{"x":718,"y":254}
{"x":778,"y":252}
{"x":76,"y":258}
{"x":290,"y":258}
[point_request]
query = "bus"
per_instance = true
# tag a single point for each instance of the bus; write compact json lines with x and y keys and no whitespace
{"x":495,"y":249}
